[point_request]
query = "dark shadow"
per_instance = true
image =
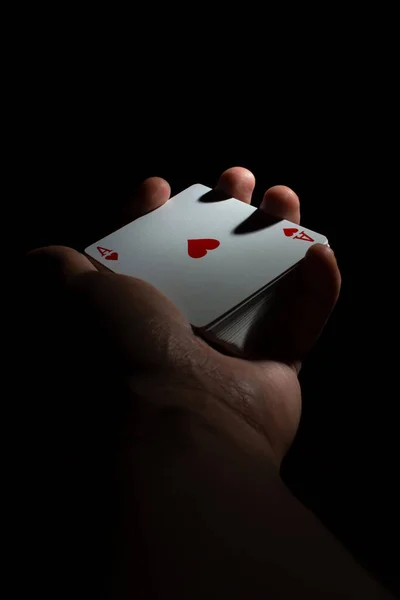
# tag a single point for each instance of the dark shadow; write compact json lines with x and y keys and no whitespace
{"x":257,"y":220}
{"x":214,"y":196}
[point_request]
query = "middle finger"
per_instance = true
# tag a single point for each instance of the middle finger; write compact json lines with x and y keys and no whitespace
{"x":282,"y":202}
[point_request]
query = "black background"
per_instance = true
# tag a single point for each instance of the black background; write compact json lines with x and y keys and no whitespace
{"x":85,"y":145}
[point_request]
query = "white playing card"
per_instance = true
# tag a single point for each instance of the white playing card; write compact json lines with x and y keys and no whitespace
{"x":248,"y":254}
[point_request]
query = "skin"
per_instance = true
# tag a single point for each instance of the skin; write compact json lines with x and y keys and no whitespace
{"x":197,"y":437}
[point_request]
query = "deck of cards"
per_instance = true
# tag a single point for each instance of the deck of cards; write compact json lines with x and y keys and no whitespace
{"x":219,"y":260}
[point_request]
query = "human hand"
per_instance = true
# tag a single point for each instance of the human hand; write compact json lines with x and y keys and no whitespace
{"x":158,"y":349}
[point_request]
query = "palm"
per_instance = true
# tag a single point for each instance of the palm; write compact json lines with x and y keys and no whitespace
{"x":268,"y":396}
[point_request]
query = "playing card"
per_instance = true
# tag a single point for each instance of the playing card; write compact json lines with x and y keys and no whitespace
{"x":233,"y":332}
{"x":208,"y":254}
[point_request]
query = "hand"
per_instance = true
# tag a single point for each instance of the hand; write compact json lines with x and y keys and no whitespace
{"x":158,"y":350}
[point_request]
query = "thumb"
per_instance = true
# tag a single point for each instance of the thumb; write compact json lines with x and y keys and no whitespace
{"x":303,"y":303}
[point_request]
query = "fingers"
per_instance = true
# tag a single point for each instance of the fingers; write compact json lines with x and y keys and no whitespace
{"x":237,"y":182}
{"x":282,"y":202}
{"x":151,"y":194}
{"x":279,"y":201}
{"x":303,"y":304}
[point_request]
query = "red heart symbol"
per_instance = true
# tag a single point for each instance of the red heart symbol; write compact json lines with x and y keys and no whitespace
{"x":290,"y":232}
{"x":112,"y":256}
{"x":198,"y":248}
